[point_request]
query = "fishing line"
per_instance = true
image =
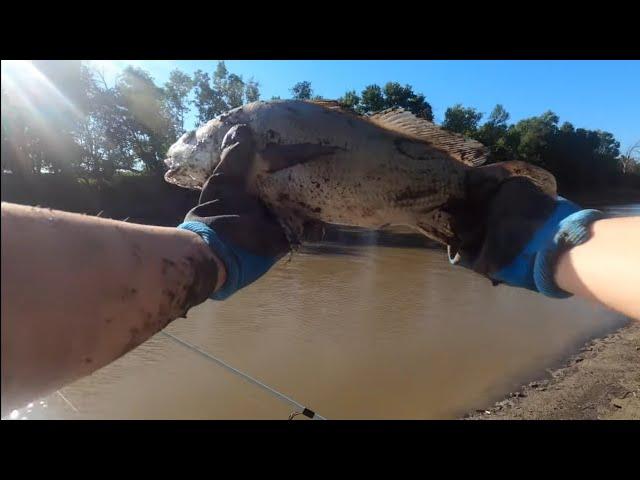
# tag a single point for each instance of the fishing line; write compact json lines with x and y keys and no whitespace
{"x":281,"y":396}
{"x":67,"y":401}
{"x":307,"y":412}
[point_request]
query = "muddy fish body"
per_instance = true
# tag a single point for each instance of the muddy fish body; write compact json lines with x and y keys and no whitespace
{"x":314,"y":162}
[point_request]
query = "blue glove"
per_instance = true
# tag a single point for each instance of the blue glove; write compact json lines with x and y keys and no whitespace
{"x":237,"y":226}
{"x":242,"y":267}
{"x":525,"y":231}
{"x":534,"y":268}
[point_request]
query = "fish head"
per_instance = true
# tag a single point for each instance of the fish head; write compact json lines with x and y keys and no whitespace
{"x":194,"y":157}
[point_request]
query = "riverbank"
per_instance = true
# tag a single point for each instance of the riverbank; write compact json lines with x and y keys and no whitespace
{"x":149,"y":199}
{"x":601,"y":381}
{"x":607,"y":197}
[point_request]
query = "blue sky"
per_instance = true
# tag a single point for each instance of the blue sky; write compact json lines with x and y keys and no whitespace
{"x":591,"y":94}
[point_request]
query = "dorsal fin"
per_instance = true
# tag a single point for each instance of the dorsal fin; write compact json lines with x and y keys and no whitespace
{"x":334,"y":104}
{"x":462,"y":149}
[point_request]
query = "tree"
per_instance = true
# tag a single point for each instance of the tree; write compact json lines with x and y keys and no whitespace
{"x":398,"y":96}
{"x":234,"y":91}
{"x":220,"y":76}
{"x":579,"y":158}
{"x":208,"y":101}
{"x":15,"y":146}
{"x":176,"y":90}
{"x":630,"y":161}
{"x":462,"y":120}
{"x":374,"y":99}
{"x":494,"y":135}
{"x":225,"y":91}
{"x":302,"y":91}
{"x":252,"y":91}
{"x":140,"y":120}
{"x":39,"y":117}
{"x":533,"y":137}
{"x":498,"y":117}
{"x":349,"y":100}
{"x":97,"y":138}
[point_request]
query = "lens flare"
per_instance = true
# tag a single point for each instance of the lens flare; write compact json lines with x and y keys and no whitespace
{"x":34,"y":108}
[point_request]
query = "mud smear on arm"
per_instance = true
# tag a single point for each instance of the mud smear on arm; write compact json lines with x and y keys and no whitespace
{"x":185,"y":283}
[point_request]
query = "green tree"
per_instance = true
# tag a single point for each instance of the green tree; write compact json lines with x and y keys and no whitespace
{"x":533,"y":137}
{"x":350,"y":100}
{"x":494,"y":134}
{"x":220,"y":76}
{"x":374,"y":99}
{"x":142,"y":129}
{"x":234,"y":90}
{"x":498,"y":116}
{"x":208,"y":100}
{"x":40,"y":116}
{"x":579,"y":158}
{"x":302,"y":91}
{"x":177,"y":90}
{"x":225,"y":91}
{"x":101,"y":155}
{"x":252,"y":91}
{"x":130,"y":125}
{"x":111,"y":138}
{"x":398,"y":96}
{"x":371,"y":100}
{"x":462,"y":120}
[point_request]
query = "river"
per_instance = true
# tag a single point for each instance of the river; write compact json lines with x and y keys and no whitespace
{"x":353,"y":332}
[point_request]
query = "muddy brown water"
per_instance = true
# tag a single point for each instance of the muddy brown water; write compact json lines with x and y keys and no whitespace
{"x":354,"y":332}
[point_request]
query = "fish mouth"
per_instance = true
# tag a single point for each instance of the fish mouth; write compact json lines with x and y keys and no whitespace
{"x":184,"y":177}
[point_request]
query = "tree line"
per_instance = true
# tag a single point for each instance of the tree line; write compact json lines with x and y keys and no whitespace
{"x":99,"y":130}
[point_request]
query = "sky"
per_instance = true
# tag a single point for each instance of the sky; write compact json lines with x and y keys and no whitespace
{"x":590,"y":94}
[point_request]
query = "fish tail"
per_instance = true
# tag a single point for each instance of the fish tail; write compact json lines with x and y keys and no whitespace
{"x":454,"y":222}
{"x":490,"y":176}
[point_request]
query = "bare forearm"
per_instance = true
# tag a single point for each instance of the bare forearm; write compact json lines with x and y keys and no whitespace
{"x":79,"y":292}
{"x":606,"y":268}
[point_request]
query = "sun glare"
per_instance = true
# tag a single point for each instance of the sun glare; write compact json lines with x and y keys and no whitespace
{"x":15,"y":68}
{"x":33,"y":102}
{"x":109,"y":68}
{"x":27,"y":87}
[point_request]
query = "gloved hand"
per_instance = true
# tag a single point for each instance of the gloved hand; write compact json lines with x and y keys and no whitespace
{"x":235,"y":224}
{"x":518,"y":236}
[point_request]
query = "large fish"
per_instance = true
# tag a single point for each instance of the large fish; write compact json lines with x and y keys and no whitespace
{"x":314,"y":162}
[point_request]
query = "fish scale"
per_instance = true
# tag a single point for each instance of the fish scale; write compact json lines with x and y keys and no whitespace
{"x":316,"y":163}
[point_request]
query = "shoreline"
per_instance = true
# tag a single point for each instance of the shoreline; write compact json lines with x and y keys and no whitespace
{"x":601,"y":381}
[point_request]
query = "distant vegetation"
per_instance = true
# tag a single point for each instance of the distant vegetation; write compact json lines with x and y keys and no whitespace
{"x":88,"y":130}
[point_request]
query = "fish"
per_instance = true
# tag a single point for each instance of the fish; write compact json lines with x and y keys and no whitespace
{"x":316,"y":163}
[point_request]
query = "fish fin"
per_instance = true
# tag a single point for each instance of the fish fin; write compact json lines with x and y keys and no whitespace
{"x":333,"y":104}
{"x":489,"y":176}
{"x":278,"y":157}
{"x":465,"y":150}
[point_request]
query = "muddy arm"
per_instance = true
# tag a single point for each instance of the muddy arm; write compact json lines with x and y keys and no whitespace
{"x":78,"y":292}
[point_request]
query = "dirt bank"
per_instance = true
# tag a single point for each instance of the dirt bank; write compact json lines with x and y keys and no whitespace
{"x":601,"y":381}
